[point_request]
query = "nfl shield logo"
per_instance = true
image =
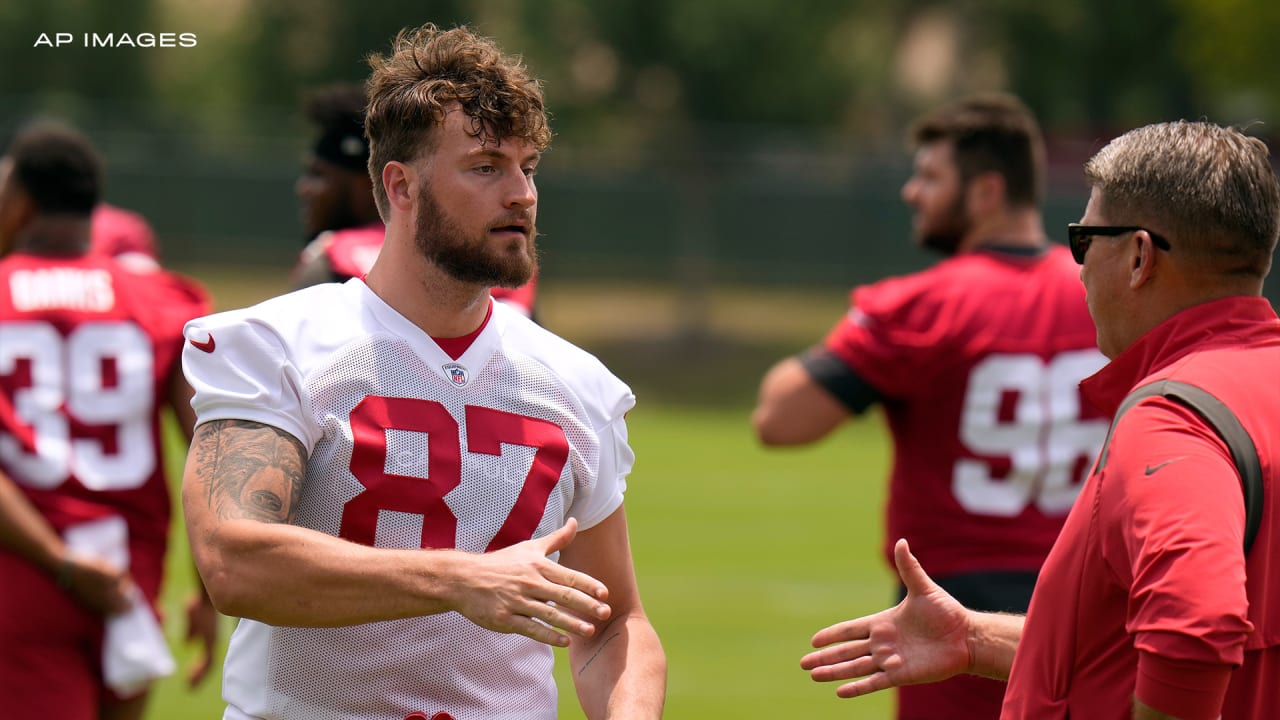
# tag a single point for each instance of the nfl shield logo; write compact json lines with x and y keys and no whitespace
{"x":457,"y":373}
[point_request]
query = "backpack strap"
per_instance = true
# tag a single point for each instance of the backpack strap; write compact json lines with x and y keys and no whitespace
{"x":1228,"y":427}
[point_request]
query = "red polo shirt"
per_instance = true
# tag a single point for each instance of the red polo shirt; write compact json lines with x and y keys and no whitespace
{"x":1147,"y":591}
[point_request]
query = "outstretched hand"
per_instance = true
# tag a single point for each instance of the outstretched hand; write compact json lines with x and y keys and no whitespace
{"x":922,"y":639}
{"x":518,"y":589}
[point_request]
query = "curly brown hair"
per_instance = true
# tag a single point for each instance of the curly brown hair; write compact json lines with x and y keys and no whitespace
{"x":427,"y":70}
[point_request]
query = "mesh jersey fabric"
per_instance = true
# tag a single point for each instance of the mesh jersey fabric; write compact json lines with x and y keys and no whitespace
{"x":522,"y":431}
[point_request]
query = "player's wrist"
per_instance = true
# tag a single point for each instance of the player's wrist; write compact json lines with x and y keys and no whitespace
{"x":991,"y":639}
{"x":64,"y":571}
{"x":447,"y":578}
{"x":972,"y":641}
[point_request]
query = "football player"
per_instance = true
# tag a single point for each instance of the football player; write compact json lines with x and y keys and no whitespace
{"x":975,"y":363}
{"x":89,"y":356}
{"x":385,"y":471}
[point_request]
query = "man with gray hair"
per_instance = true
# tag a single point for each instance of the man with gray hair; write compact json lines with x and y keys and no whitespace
{"x":1153,"y":603}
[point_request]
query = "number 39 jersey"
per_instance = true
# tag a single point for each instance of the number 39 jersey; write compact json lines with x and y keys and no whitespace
{"x":978,"y":361}
{"x":410,"y":448}
{"x":87,"y":350}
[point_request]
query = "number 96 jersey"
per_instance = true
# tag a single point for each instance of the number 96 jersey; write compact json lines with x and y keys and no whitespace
{"x":411,"y":448}
{"x":978,"y":361}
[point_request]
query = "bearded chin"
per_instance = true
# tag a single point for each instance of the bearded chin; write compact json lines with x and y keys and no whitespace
{"x":944,"y":243}
{"x":470,"y":259}
{"x":474,"y":263}
{"x":945,"y":236}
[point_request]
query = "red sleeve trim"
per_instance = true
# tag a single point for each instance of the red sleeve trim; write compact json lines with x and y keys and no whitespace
{"x":1188,"y":690}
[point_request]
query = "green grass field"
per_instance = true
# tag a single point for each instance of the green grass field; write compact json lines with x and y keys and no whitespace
{"x":741,"y":552}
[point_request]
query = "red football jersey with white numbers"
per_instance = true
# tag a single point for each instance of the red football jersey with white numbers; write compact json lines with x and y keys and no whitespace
{"x":87,"y":349}
{"x":409,"y":447}
{"x":978,"y":361}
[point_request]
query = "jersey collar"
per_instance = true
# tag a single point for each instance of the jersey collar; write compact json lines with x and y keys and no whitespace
{"x":1215,"y":324}
{"x":459,"y":371}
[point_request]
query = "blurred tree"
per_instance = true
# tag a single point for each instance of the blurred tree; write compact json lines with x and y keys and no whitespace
{"x":642,"y":66}
{"x":1231,"y":47}
{"x":1098,"y":64}
{"x":630,"y":74}
{"x":72,"y":77}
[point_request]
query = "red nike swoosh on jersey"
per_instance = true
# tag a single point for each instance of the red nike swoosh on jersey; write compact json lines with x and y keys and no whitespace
{"x":206,"y":346}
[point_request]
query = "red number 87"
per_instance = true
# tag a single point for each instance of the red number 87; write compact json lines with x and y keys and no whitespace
{"x":487,"y":429}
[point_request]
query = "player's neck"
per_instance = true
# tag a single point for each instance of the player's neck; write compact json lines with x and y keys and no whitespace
{"x":367,"y":219}
{"x":55,"y":235}
{"x":1023,"y":228}
{"x":427,"y":296}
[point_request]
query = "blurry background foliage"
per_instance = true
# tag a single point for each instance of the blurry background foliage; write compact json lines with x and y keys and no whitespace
{"x":717,"y":141}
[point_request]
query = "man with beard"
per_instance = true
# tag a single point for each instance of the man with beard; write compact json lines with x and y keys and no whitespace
{"x":385,"y":471}
{"x":975,"y":363}
{"x":335,"y":195}
{"x":1159,"y":598}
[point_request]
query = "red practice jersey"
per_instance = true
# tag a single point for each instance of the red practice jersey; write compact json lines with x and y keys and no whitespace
{"x":124,"y":235}
{"x":87,"y":351}
{"x":977,"y":361}
{"x":348,"y":252}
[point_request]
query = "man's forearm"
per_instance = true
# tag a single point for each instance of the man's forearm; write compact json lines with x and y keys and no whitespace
{"x":993,"y":640}
{"x":621,"y":672}
{"x":25,"y":531}
{"x":292,"y":576}
{"x":240,"y":494}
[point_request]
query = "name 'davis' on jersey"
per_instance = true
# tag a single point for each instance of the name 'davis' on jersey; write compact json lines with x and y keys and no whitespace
{"x":62,"y":288}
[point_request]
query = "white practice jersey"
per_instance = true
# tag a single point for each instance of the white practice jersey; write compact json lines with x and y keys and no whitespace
{"x":409,"y":448}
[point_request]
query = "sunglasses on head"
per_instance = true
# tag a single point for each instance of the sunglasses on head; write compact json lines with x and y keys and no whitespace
{"x":1080,"y":237}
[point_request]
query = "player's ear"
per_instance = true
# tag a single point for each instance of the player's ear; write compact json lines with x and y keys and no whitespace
{"x":401,"y":183}
{"x":986,"y":192}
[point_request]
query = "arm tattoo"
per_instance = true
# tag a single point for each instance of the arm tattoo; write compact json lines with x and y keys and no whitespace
{"x":249,"y":470}
{"x":596,"y":654}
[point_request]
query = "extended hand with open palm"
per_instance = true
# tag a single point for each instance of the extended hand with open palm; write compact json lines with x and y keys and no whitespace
{"x":924,"y":638}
